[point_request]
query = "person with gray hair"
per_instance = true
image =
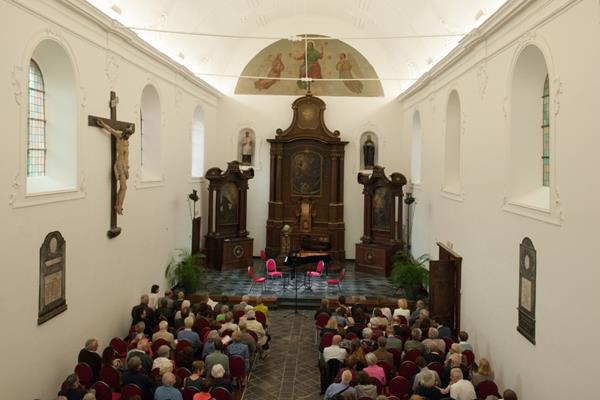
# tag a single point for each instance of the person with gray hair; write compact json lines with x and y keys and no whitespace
{"x":188,"y":334}
{"x":374,"y":370}
{"x":167,"y":391}
{"x":459,"y":388}
{"x":164,"y":334}
{"x":427,"y":386}
{"x":341,"y":388}
{"x":433,"y":343}
{"x":90,"y":356}
{"x":135,"y":375}
{"x":163,"y":362}
{"x":415,"y":342}
{"x":217,"y":378}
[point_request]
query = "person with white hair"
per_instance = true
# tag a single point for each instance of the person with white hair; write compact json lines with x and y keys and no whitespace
{"x":164,"y":334}
{"x":163,"y":362}
{"x":367,"y":342}
{"x":253,"y":325}
{"x":427,"y":386}
{"x":341,"y":388}
{"x":185,"y":305}
{"x":90,"y":356}
{"x":209,"y":346}
{"x":167,"y":391}
{"x":402,"y":310}
{"x":217,"y":357}
{"x":217,"y":378}
{"x":188,"y":334}
{"x":415,"y":342}
{"x":374,"y":370}
{"x":238,"y":348}
{"x":228,"y":324}
{"x":459,"y":388}
{"x":433,"y":343}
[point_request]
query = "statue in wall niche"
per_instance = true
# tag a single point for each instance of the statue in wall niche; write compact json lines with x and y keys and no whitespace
{"x":121,"y":166}
{"x":369,"y":153}
{"x":247,"y":149}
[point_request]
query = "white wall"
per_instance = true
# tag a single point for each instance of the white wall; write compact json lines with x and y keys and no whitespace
{"x":264,"y":114}
{"x":482,"y":228}
{"x":104,"y":277}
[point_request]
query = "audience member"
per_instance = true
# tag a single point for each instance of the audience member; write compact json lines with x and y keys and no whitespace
{"x":382,"y":354}
{"x":262,"y":307}
{"x":402,"y":310}
{"x":72,"y":389}
{"x":169,"y":298}
{"x":180,"y":299}
{"x":209,"y":346}
{"x":164,"y":334}
{"x":365,"y":389}
{"x":393,"y":342}
{"x":217,"y":357}
{"x":443,"y":331}
{"x":423,"y":369}
{"x":237,"y":348}
{"x":433,"y":343}
{"x":217,"y":374}
{"x":332,"y":326}
{"x":90,"y":395}
{"x":336,"y":389}
{"x":358,"y":354}
{"x":484,"y":372}
{"x":455,"y":357}
{"x":142,"y":312}
{"x":141,"y":351}
{"x":163,"y":362}
{"x":367,"y":343}
{"x":135,"y":375}
{"x":427,"y":386}
{"x":185,"y":357}
{"x":188,"y":334}
{"x":90,"y":356}
{"x":415,"y":342}
{"x":153,"y":297}
{"x":164,"y":312}
{"x":241,"y":306}
{"x":228,"y":324}
{"x":459,"y":388}
{"x":335,"y":351}
{"x":247,"y":339}
{"x":415,"y":314}
{"x":167,"y":391}
{"x":195,"y":379}
{"x":373,"y":369}
{"x":139,"y":332}
{"x":323,"y":308}
{"x":342,"y":303}
{"x":253,"y":325}
{"x":109,"y":358}
{"x":464,"y":344}
{"x":378,"y":320}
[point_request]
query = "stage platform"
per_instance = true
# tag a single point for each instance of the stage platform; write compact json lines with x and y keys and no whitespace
{"x":356,"y":286}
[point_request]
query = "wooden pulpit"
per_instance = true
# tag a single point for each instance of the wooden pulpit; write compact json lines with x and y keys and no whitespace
{"x":382,"y":221}
{"x":227,"y":243}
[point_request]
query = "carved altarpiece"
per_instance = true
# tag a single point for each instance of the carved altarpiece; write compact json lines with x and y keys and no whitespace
{"x":52,"y":277}
{"x":382,"y":221}
{"x":307,"y":182}
{"x":227,"y":242}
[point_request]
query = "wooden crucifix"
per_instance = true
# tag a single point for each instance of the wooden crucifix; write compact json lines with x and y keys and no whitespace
{"x":119,"y":157}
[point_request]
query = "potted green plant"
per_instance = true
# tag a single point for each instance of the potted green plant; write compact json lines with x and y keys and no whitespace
{"x":187,"y":270}
{"x":409,"y":273}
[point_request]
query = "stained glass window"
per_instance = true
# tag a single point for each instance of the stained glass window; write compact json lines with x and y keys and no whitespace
{"x":36,"y":123}
{"x":546,"y":134}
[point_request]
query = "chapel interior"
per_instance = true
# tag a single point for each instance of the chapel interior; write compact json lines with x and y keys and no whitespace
{"x":345,"y":131}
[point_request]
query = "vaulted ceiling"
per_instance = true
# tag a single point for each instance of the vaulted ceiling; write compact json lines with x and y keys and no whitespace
{"x":401,"y":38}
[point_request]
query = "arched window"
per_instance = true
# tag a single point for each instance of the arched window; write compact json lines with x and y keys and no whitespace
{"x":416,"y":151}
{"x":36,"y":123}
{"x":546,"y":134}
{"x":198,"y":143}
{"x":452,"y":179}
{"x":530,"y":168}
{"x":150,"y":135}
{"x":51,"y":147}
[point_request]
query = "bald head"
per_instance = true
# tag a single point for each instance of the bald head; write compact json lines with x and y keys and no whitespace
{"x":168,"y":379}
{"x":346,"y":377}
{"x":337,"y":339}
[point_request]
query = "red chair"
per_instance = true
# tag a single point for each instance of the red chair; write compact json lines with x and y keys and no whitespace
{"x":397,"y":356}
{"x":189,"y":392}
{"x":402,"y":320}
{"x":182,"y":343}
{"x":227,"y":332}
{"x":221,"y":394}
{"x":263,"y":255}
{"x":378,"y":384}
{"x":337,"y":281}
{"x":272,"y":269}
{"x":85,"y":374}
{"x":326,"y":340}
{"x":351,"y":335}
{"x":469,"y":356}
{"x":159,"y":342}
{"x":448,"y":340}
{"x":110,"y":376}
{"x":261,"y":317}
{"x":437,"y":367}
{"x":254,"y":335}
{"x":119,"y":346}
{"x":387,"y":368}
{"x":103,"y":392}
{"x":129,"y":391}
{"x":155,"y":374}
{"x":238,"y":315}
{"x":201,"y":323}
{"x":237,"y":370}
{"x":315,"y":274}
{"x":182,"y":373}
{"x":399,"y":387}
{"x":204,"y":334}
{"x":320,"y":323}
{"x":485,"y":389}
{"x":408,"y":369}
{"x":412,"y":355}
{"x":255,"y":280}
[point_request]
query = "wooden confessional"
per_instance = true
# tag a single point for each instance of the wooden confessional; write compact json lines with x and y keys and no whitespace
{"x":444,"y":287}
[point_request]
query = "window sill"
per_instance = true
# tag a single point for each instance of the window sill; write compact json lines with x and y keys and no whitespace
{"x":197,"y":179}
{"x":35,"y":199}
{"x":150,"y":182}
{"x":452,"y":194}
{"x":531,"y":211}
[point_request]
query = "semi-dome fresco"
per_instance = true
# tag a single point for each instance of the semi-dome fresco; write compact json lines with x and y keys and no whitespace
{"x":325,"y":59}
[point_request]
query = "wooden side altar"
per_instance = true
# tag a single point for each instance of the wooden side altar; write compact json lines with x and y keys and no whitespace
{"x":382,"y":221}
{"x":307,"y":183}
{"x":227,"y":243}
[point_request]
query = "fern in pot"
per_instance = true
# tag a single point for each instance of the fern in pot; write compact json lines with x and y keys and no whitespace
{"x":187,"y":270}
{"x":409,"y":273}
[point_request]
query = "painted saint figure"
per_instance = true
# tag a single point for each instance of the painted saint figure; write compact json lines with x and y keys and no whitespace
{"x":369,"y":153}
{"x":277,"y":68}
{"x":345,"y":72}
{"x":310,"y":67}
{"x":121,"y":167}
{"x":247,"y":149}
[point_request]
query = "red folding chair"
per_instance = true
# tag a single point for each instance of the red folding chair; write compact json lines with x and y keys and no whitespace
{"x":159,"y":342}
{"x":255,"y":279}
{"x":261,"y":317}
{"x":110,"y":376}
{"x":189,"y":392}
{"x":412,"y":355}
{"x":378,"y":384}
{"x":326,"y":340}
{"x":399,"y":387}
{"x":119,"y":346}
{"x":263,"y":255}
{"x":397,"y":356}
{"x":320,"y":323}
{"x":337,"y":281}
{"x":272,"y":269}
{"x":104,"y":392}
{"x":182,"y":343}
{"x":85,"y":374}
{"x":408,"y":369}
{"x":237,"y":370}
{"x":448,"y":340}
{"x":402,"y":320}
{"x":315,"y":274}
{"x":129,"y":391}
{"x":470,"y":357}
{"x":437,"y":367}
{"x":485,"y":389}
{"x":221,"y":394}
{"x":387,"y":368}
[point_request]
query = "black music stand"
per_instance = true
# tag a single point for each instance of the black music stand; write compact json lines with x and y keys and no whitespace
{"x":294,"y":278}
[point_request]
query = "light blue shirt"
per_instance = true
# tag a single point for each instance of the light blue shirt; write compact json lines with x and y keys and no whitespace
{"x":336,"y":388}
{"x":167,"y":393}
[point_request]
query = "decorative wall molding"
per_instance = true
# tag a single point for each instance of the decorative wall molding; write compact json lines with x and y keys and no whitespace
{"x":113,"y":62}
{"x":557,"y":85}
{"x":482,"y":79}
{"x":82,"y":97}
{"x":505,"y":107}
{"x":15,"y":76}
{"x":526,"y":38}
{"x":14,"y":193}
{"x":463,"y":128}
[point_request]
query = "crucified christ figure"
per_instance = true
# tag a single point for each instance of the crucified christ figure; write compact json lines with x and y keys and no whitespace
{"x":121,"y":167}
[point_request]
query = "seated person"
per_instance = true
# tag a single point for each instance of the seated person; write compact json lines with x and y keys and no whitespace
{"x":323,"y":308}
{"x":163,"y":362}
{"x":484,"y":372}
{"x":142,"y":352}
{"x":217,"y":357}
{"x":90,"y":356}
{"x":367,"y":343}
{"x":167,"y":391}
{"x":164,"y":334}
{"x":336,"y":389}
{"x":263,"y":308}
{"x":422,"y":364}
{"x":373,"y":369}
{"x":217,"y":379}
{"x":247,"y":338}
{"x":185,"y":357}
{"x":415,"y":342}
{"x":427,"y":386}
{"x":378,"y":320}
{"x":402,"y":310}
{"x":433,"y":343}
{"x":459,"y":388}
{"x":464,"y":344}
{"x":196,"y":378}
{"x":237,"y":348}
{"x":335,"y":351}
{"x":163,"y":311}
{"x":209,"y":346}
{"x":228,"y":324}
{"x":72,"y":389}
{"x":455,"y":357}
{"x":188,"y":334}
{"x":365,"y":389}
{"x":332,"y":326}
{"x":110,"y":358}
{"x":509,"y":394}
{"x":357,"y":353}
{"x":139,"y":332}
{"x":135,"y":375}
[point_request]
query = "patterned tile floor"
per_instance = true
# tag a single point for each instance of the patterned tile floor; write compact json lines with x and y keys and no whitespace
{"x":237,"y":282}
{"x":290,"y":371}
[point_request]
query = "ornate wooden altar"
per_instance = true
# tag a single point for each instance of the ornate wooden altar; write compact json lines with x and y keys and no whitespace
{"x":307,"y":182}
{"x":382,"y":221}
{"x":227,"y":243}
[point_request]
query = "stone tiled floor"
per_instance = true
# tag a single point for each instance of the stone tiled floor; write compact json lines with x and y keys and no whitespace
{"x":236,"y":282}
{"x":290,"y":371}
